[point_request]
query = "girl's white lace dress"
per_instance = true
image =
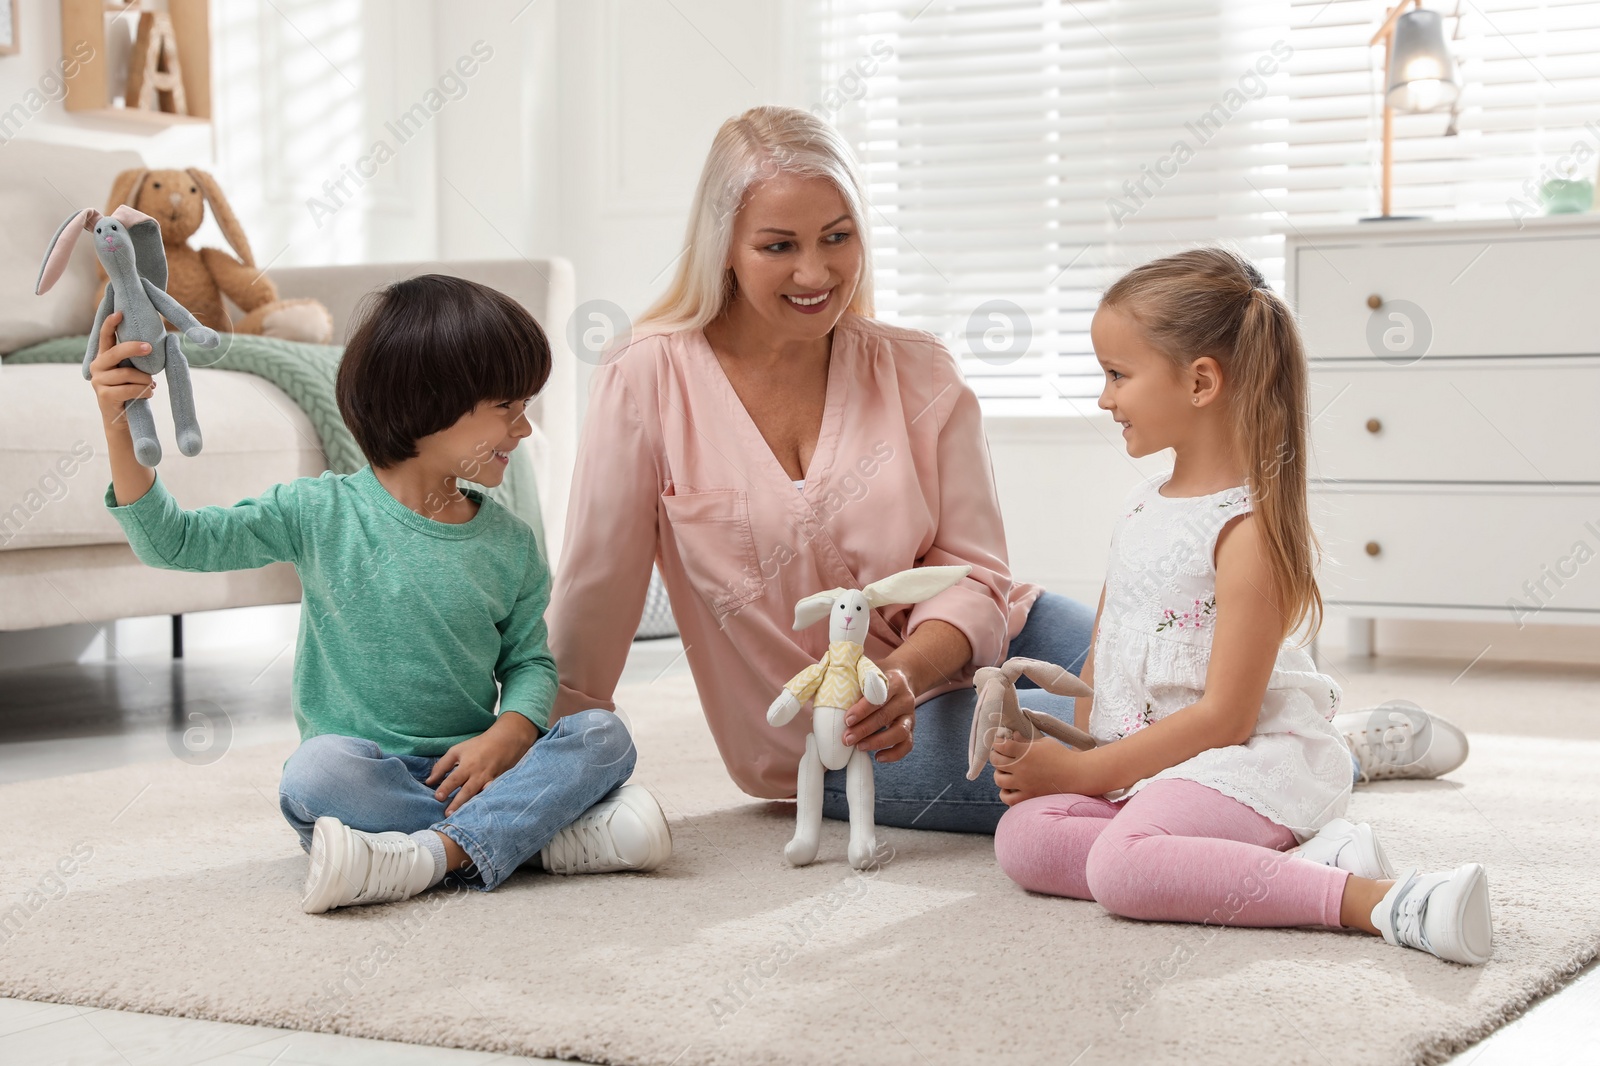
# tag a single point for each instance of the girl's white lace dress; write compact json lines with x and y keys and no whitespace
{"x":1153,"y":648}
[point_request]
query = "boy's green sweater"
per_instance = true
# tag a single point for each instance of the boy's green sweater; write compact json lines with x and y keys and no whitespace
{"x":405,"y":623}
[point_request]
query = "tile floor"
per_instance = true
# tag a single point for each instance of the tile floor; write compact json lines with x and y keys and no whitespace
{"x":67,"y":719}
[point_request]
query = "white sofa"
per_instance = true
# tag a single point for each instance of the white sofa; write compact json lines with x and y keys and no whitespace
{"x":63,"y":559}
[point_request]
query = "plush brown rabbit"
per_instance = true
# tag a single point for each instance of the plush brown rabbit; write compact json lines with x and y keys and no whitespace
{"x":998,"y":708}
{"x":198,"y":279}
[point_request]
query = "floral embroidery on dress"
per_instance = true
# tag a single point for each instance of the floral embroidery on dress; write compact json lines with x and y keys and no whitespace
{"x":1232,"y":501}
{"x":1132,"y":723}
{"x":1195,"y":618}
{"x":1137,"y":508}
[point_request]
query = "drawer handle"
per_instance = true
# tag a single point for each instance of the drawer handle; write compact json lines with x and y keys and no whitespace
{"x":1372,"y":547}
{"x":1374,"y":426}
{"x":1374,"y":301}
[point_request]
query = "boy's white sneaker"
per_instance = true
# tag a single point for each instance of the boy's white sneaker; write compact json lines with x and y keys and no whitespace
{"x":1349,"y":846}
{"x":1446,"y":914}
{"x":1401,"y":740}
{"x":351,"y":867}
{"x":624,"y":831}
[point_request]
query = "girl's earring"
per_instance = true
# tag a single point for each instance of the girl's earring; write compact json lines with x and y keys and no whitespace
{"x":1196,"y":401}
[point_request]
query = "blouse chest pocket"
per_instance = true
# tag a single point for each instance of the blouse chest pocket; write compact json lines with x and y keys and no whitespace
{"x":716,"y":546}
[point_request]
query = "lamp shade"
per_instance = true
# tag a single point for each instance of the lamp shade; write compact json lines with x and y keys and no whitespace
{"x":1422,"y":76}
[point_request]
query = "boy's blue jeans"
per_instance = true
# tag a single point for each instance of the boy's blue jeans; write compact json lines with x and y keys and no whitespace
{"x":567,"y":771}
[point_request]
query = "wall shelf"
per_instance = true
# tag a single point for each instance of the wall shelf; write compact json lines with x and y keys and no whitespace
{"x":89,"y":89}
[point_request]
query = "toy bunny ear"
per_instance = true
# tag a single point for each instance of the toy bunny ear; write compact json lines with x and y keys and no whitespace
{"x":1048,"y":676}
{"x":223,"y":212}
{"x":914,"y":585}
{"x":125,"y":189}
{"x":145,"y":233}
{"x":815,"y":607}
{"x":59,"y":253}
{"x":985,"y":722}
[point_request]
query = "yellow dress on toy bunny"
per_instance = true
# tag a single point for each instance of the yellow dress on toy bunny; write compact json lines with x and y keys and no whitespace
{"x":833,"y":684}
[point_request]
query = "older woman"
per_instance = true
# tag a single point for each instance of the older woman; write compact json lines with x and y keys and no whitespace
{"x":762,"y":438}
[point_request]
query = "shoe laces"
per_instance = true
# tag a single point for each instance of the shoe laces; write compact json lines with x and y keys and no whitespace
{"x":1376,"y":748}
{"x":1410,"y":909}
{"x":389,"y":866}
{"x":584,"y":845}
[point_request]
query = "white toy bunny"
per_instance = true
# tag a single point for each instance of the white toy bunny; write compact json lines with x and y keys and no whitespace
{"x":833,"y":685}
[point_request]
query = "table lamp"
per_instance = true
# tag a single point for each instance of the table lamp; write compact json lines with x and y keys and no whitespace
{"x":1419,"y":75}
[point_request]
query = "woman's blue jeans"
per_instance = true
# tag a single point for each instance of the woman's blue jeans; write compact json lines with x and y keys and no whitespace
{"x":928,"y":789}
{"x":568,"y":770}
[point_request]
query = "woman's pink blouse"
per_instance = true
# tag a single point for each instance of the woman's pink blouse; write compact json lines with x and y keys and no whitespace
{"x":671,"y":469}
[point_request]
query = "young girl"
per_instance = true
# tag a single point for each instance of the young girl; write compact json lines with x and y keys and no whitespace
{"x":423,"y":683}
{"x":1217,"y":752}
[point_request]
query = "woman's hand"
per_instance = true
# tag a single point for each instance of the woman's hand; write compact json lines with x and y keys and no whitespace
{"x":468,"y":767}
{"x":1024,"y":769}
{"x":937,"y":652}
{"x":886,"y":728}
{"x":114,"y":384}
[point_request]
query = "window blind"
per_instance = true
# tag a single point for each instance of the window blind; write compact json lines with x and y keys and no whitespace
{"x":1020,"y":154}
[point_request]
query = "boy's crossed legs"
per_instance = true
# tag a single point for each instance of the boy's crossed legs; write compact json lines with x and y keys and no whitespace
{"x":376,"y":832}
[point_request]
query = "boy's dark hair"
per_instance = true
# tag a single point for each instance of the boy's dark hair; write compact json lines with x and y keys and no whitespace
{"x":427,"y":350}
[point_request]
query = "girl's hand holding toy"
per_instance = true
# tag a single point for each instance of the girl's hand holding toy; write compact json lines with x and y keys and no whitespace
{"x":1025,"y":768}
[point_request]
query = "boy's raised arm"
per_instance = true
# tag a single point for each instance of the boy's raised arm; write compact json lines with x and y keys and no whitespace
{"x":249,"y":534}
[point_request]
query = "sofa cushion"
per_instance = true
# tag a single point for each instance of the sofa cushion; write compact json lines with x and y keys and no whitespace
{"x":41,"y":185}
{"x":53,"y":465}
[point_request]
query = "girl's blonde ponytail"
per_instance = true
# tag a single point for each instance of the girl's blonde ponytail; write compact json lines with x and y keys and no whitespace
{"x":1270,"y":425}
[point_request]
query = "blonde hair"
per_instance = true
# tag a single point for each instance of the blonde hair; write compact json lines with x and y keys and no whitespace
{"x":761,"y":143}
{"x":1213,"y":301}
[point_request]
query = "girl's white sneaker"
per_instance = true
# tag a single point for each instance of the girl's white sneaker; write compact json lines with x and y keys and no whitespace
{"x":1349,"y":846}
{"x":1401,"y":740}
{"x":1446,"y":914}
{"x":351,"y":867}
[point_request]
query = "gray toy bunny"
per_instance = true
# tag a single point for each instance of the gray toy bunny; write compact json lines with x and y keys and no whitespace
{"x":128,"y":243}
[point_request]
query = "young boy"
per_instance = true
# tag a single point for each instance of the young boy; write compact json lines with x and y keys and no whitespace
{"x":417,"y":598}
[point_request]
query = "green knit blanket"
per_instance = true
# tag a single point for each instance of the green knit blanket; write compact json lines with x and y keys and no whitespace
{"x":305,"y":372}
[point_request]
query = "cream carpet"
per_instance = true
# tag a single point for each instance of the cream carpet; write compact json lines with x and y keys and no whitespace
{"x":173,"y":889}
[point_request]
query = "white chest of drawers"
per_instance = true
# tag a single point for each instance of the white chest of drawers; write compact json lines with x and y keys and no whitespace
{"x":1455,"y":397}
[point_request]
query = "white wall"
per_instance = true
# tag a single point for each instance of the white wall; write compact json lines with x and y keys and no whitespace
{"x":1061,"y":481}
{"x":306,"y":101}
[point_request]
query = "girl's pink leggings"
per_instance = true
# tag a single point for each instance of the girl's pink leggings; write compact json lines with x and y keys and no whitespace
{"x":1176,"y":852}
